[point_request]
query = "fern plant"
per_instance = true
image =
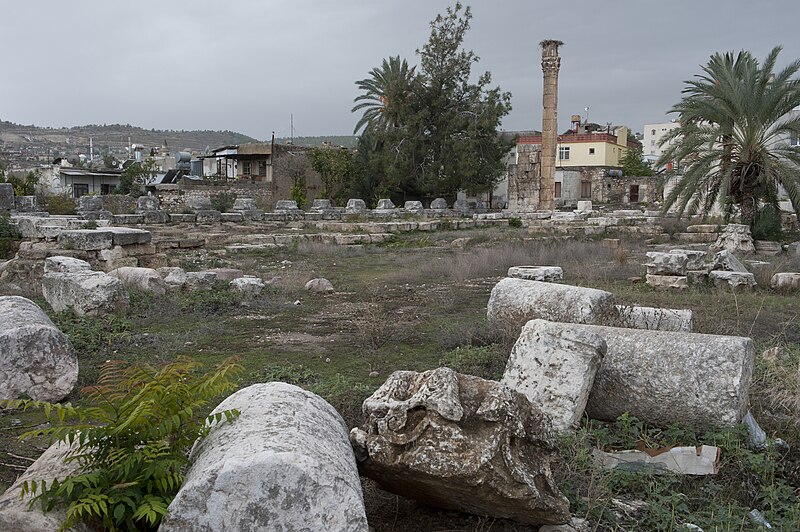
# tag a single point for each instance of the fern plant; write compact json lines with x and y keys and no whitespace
{"x":131,"y":441}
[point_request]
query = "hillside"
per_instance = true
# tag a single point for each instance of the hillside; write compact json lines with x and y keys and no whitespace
{"x":29,"y":142}
{"x":348,"y":141}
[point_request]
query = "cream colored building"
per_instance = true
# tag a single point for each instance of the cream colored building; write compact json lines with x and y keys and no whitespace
{"x":653,"y":133}
{"x":589,"y":149}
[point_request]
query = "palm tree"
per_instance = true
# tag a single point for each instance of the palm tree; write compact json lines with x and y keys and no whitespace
{"x":735,"y":120}
{"x":385,"y":92}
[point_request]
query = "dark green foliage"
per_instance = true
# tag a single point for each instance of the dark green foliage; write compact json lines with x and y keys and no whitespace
{"x":767,"y":224}
{"x":734,"y":120}
{"x":131,"y":441}
{"x":24,"y":185}
{"x":298,"y":194}
{"x":515,"y":222}
{"x":8,"y":234}
{"x":432,"y":132}
{"x":59,"y":204}
{"x":223,"y":201}
{"x":338,"y":171}
{"x":135,"y":177}
{"x":634,"y":165}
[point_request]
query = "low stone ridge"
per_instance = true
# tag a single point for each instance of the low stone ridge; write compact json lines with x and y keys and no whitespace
{"x":785,"y":281}
{"x":554,"y":365}
{"x":655,"y":319}
{"x":736,"y":238}
{"x":209,"y":216}
{"x":127,"y":236}
{"x":662,"y":377}
{"x":37,"y":359}
{"x":155,"y":217}
{"x":15,"y":513}
{"x":143,"y":279}
{"x":320,"y":286}
{"x":284,"y":464}
{"x":550,"y":274}
{"x":86,"y":293}
{"x":462,"y":443}
{"x":59,"y":264}
{"x":520,"y":300}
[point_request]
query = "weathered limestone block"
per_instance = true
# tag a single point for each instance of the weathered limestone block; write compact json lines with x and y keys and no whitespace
{"x":727,"y":261}
{"x":679,"y":282}
{"x":695,"y":238}
{"x":385,"y":205}
{"x":785,"y":281}
{"x":735,"y":237}
{"x":14,"y":512}
{"x":520,"y":300}
{"x":284,"y":464}
{"x":144,"y":279}
{"x":697,"y":277}
{"x":86,"y":293}
{"x":244,"y":204}
{"x":666,"y":263}
{"x":735,"y":280}
{"x":247,"y":286}
{"x":6,"y":196}
{"x":553,"y":365}
{"x":126,"y":236}
{"x":26,"y":204}
{"x":173,"y":276}
{"x":179,"y":218}
{"x":702,"y":228}
{"x":550,"y":274}
{"x":37,"y":359}
{"x":199,"y":280}
{"x":127,"y":219}
{"x":321,"y":205}
{"x":90,"y":203}
{"x":320,"y":286}
{"x":584,"y":206}
{"x":59,"y":264}
{"x":286,"y":205}
{"x":768,"y":247}
{"x":252,"y":215}
{"x":85,"y":239}
{"x":198,"y":202}
{"x":207,"y":216}
{"x":695,"y":260}
{"x":413,"y":206}
{"x":355,"y":205}
{"x":147,"y":203}
{"x":793,"y":249}
{"x":655,"y":319}
{"x":664,"y":377}
{"x":233,"y":217}
{"x":155,"y":217}
{"x":439,"y":204}
{"x":461,"y":442}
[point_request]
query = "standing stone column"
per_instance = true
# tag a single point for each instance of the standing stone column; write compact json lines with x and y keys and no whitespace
{"x":551,"y":63}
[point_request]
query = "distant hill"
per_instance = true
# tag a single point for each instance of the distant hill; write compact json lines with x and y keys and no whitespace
{"x":113,"y":138}
{"x":348,"y":141}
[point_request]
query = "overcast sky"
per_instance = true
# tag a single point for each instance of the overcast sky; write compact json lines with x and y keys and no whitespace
{"x":248,"y":65}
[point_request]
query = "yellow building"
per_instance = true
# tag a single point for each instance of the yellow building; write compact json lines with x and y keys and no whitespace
{"x":577,"y":149}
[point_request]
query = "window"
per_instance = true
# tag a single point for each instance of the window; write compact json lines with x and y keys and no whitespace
{"x":586,"y":189}
{"x":557,"y":192}
{"x":79,"y":190}
{"x":563,"y":153}
{"x":106,"y":189}
{"x":262,"y":168}
{"x":219,"y":166}
{"x":591,"y":151}
{"x":246,"y":168}
{"x":653,"y":132}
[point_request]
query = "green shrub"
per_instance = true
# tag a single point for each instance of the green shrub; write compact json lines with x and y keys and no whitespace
{"x":223,"y":201}
{"x":767,"y":224}
{"x":8,"y":234}
{"x":119,"y":204}
{"x":132,"y":441}
{"x":59,"y":204}
{"x":515,"y":222}
{"x":298,"y":194}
